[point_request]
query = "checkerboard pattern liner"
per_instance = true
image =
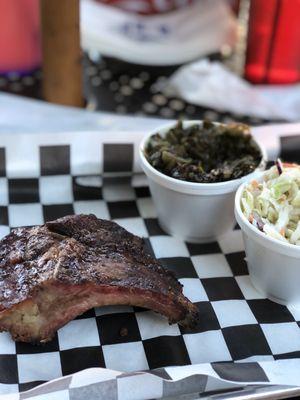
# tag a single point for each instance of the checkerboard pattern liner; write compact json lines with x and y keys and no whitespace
{"x":242,"y":339}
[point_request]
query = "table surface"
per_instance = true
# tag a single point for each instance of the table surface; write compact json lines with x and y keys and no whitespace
{"x":115,"y":86}
{"x":125,"y":89}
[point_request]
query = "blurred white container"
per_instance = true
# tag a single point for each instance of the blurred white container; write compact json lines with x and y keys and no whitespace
{"x":194,"y":212}
{"x":172,"y":38}
{"x":274,"y":266}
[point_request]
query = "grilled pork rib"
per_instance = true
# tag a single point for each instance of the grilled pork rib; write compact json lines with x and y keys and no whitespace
{"x":49,"y":274}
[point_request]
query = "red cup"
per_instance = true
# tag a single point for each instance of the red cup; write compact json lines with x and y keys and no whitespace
{"x":19,"y":36}
{"x":273,"y":50}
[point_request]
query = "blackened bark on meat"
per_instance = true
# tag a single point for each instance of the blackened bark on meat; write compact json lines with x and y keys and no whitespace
{"x":49,"y":274}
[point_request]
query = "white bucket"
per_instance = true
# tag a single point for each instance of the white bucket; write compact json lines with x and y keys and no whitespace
{"x":274,"y":266}
{"x":194,"y":212}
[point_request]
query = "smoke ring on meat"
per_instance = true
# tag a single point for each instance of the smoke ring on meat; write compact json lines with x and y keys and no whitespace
{"x":52,"y":273}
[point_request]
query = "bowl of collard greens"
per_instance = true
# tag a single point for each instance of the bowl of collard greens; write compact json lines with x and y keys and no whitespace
{"x":194,"y":169}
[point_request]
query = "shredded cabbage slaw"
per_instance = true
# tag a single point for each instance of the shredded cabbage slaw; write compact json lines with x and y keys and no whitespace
{"x":273,"y":205}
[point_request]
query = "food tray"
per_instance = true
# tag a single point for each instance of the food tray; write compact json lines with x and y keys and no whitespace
{"x":243,"y":344}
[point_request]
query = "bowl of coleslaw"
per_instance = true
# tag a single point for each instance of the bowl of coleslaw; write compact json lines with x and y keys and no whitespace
{"x":268,"y":212}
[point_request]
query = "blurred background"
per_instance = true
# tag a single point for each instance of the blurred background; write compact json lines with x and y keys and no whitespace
{"x":223,"y":60}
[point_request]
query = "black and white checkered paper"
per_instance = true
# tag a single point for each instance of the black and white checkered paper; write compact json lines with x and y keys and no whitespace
{"x":243,"y":341}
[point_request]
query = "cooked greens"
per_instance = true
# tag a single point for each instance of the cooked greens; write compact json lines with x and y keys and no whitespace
{"x":204,"y":153}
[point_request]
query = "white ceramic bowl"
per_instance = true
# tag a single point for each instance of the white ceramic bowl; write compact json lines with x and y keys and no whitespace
{"x":194,"y":212}
{"x":274,"y":266}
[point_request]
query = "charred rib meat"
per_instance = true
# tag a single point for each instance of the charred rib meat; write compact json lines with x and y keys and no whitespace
{"x":49,"y":274}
